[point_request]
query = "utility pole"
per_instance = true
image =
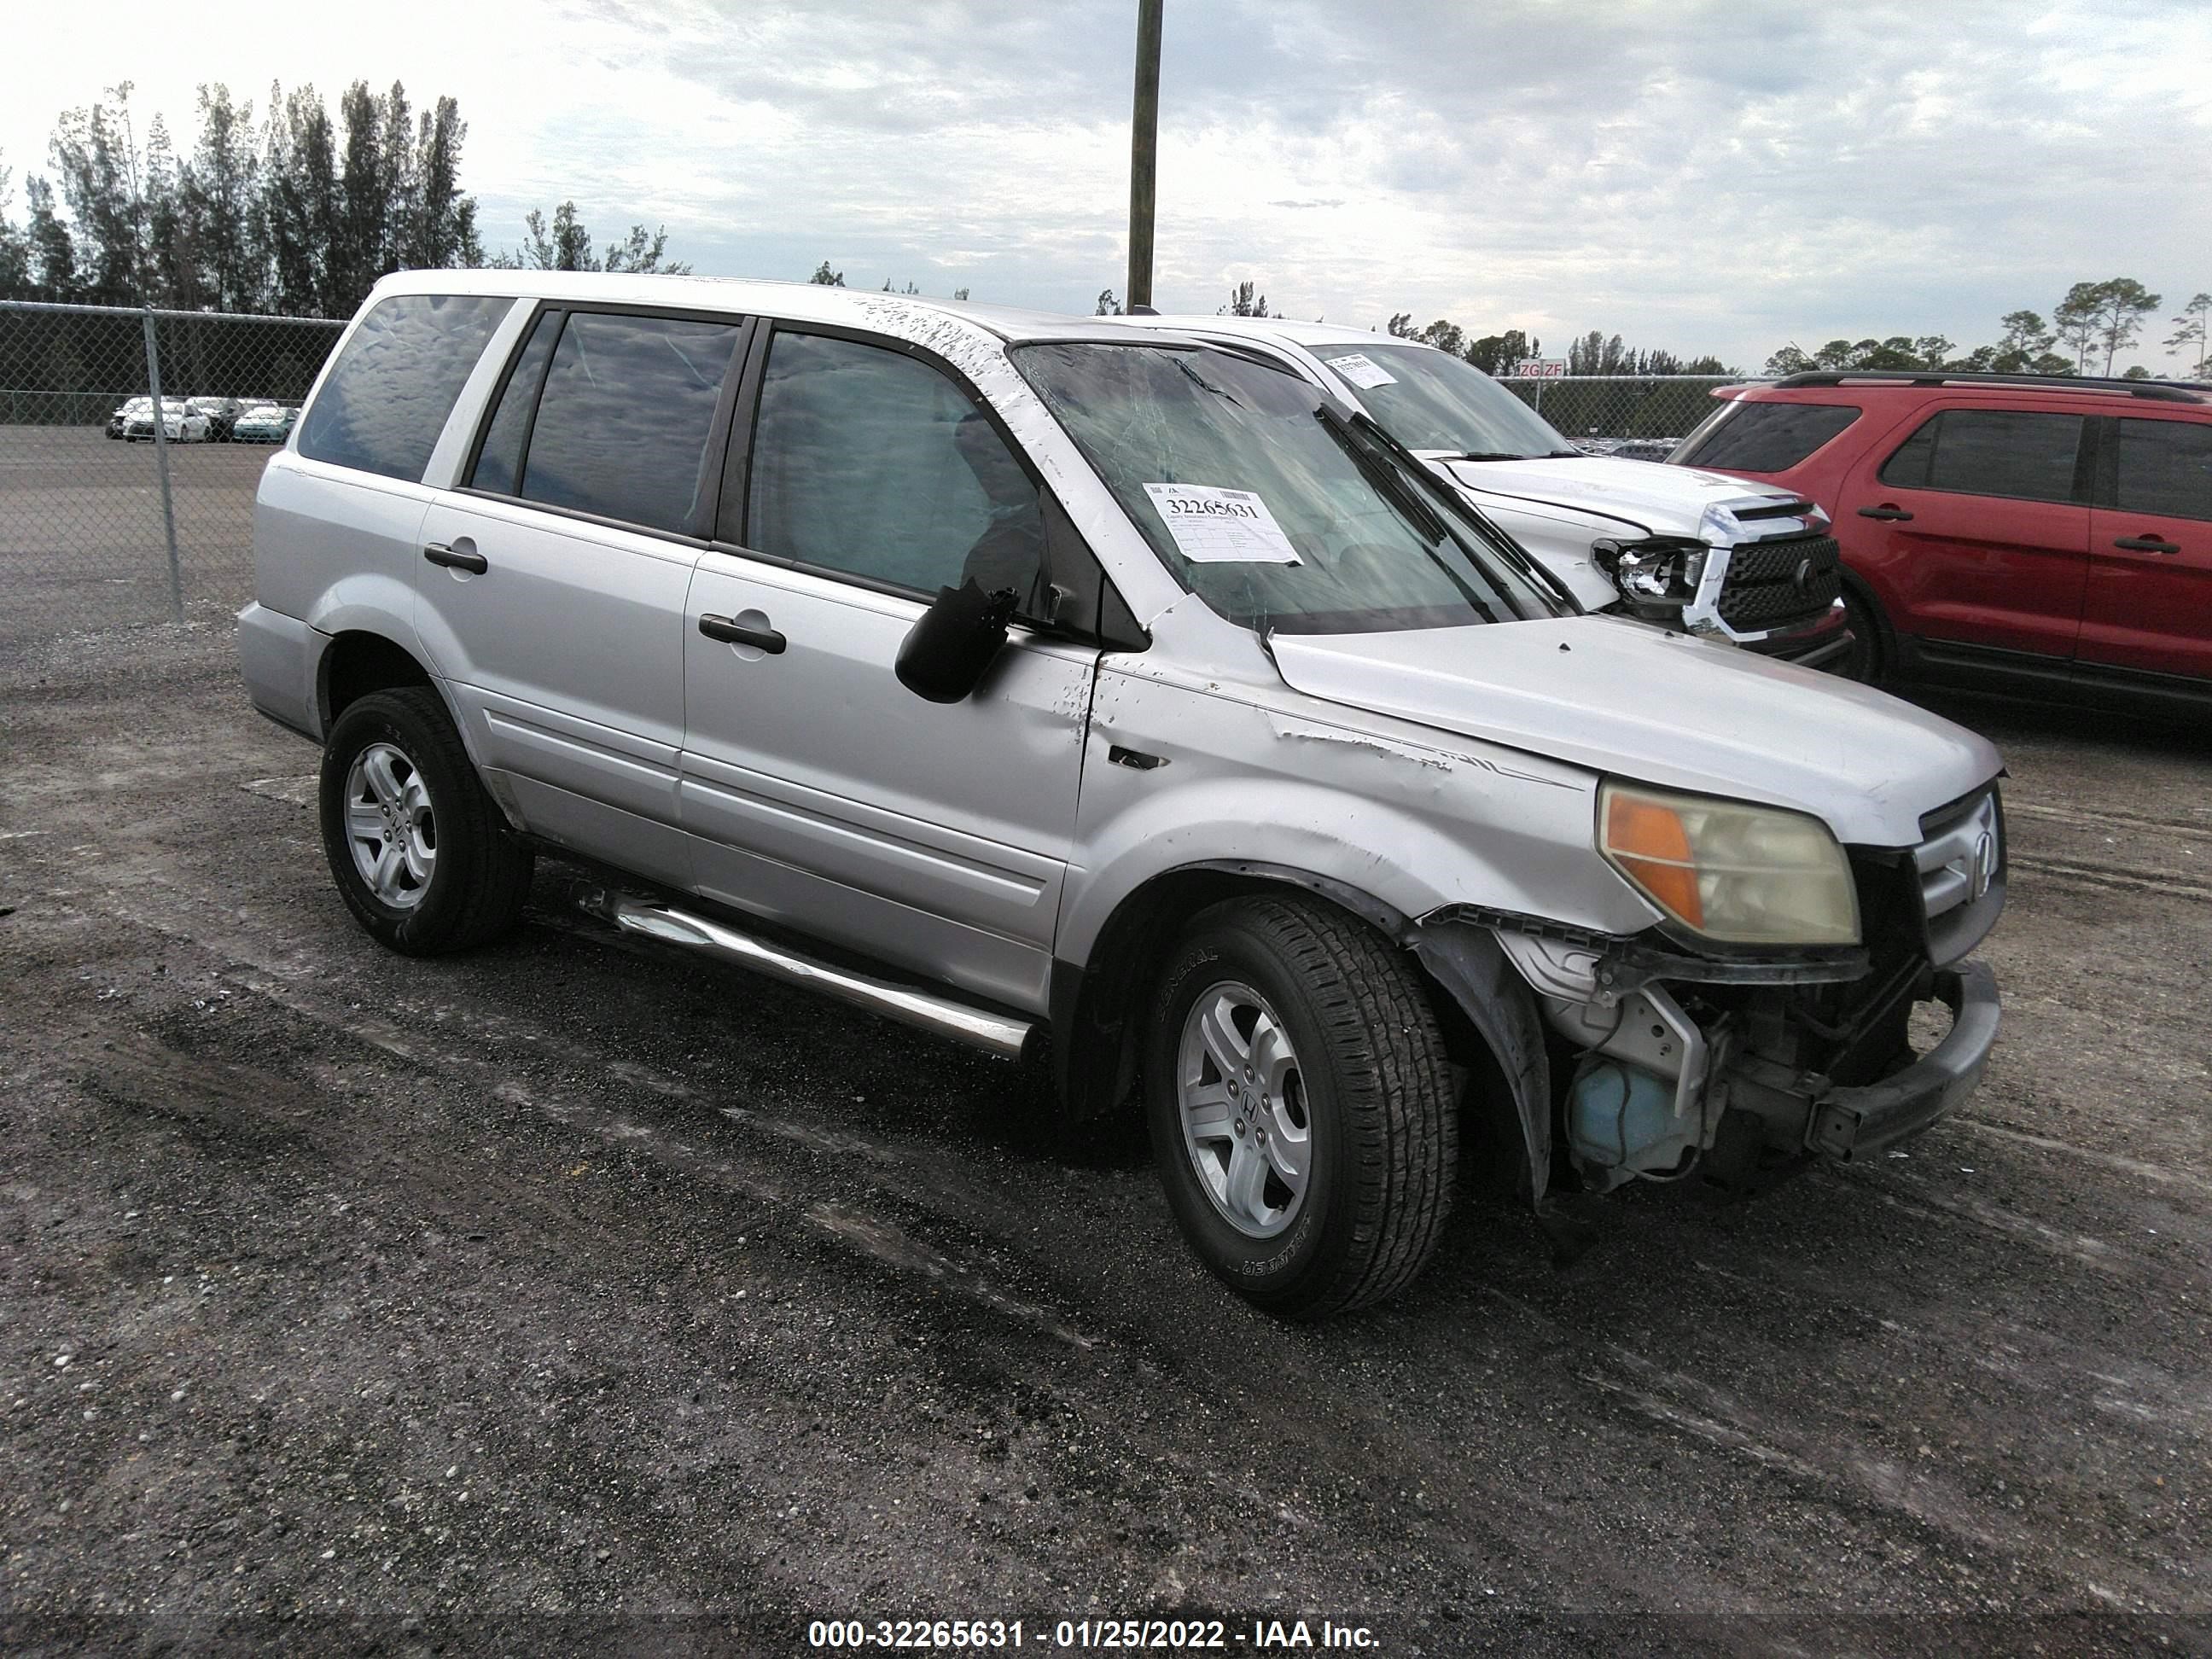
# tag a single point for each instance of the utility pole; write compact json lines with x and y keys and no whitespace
{"x":1144,"y":154}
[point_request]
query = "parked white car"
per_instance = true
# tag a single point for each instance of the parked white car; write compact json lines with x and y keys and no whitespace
{"x":1700,"y":551}
{"x":180,"y":423}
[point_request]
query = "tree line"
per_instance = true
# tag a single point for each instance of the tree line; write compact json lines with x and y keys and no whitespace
{"x":2095,"y":321}
{"x":297,"y":212}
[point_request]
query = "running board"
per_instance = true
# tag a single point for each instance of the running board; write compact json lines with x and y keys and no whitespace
{"x":996,"y":1034}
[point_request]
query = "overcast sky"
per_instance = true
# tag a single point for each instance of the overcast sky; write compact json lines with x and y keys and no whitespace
{"x":1700,"y":177}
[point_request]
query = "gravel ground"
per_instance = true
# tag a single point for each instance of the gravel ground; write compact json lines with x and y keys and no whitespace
{"x":348,"y":1302}
{"x":82,"y":541}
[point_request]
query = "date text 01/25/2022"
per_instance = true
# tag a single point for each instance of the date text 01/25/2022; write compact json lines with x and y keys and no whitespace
{"x":1125,"y":1635}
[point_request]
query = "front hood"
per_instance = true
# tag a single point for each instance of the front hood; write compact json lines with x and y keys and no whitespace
{"x":1633,"y":702}
{"x":1663,"y":500}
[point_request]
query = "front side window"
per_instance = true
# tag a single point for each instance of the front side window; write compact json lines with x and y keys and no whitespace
{"x":1259,"y":496}
{"x":389,"y":393}
{"x":1991,"y":452}
{"x":1745,"y":436}
{"x":870,"y":463}
{"x":1428,"y":399}
{"x":622,"y":424}
{"x":2166,"y":468}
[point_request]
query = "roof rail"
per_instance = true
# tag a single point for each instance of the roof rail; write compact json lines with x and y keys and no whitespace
{"x":2171,"y":392}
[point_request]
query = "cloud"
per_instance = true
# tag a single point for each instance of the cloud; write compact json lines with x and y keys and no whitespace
{"x":1700,"y":176}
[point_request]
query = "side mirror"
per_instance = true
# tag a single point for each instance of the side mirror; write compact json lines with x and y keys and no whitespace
{"x":948,"y":649}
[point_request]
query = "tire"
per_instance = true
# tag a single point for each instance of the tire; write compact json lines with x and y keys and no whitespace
{"x":1367,"y":1071}
{"x":1868,"y":661}
{"x":453,"y":875}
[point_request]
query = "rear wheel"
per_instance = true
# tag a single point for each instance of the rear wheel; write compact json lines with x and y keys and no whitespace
{"x":1300,"y":1106}
{"x":419,"y":854}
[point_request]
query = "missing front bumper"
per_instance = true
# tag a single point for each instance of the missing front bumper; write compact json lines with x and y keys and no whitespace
{"x":1847,"y":1123}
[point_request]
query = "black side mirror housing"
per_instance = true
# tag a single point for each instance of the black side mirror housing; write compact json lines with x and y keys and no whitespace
{"x":953,"y":643}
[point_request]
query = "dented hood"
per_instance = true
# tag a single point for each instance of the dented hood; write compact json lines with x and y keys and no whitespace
{"x":1634,"y":702}
{"x":1664,"y":499}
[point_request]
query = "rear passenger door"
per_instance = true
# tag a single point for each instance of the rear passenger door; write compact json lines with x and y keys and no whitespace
{"x":2150,"y":579}
{"x":1979,"y":523}
{"x":824,"y":793}
{"x":551,"y":582}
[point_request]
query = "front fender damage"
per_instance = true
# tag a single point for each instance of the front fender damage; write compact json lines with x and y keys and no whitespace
{"x":1474,"y":971}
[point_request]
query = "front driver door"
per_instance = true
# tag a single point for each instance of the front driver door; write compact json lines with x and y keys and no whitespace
{"x":821,"y":793}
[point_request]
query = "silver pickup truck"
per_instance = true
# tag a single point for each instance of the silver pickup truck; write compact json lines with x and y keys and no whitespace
{"x":1119,"y":703}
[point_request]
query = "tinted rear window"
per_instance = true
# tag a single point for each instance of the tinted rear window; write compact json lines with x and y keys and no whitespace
{"x":2165,"y":467}
{"x":388,"y":395}
{"x":498,"y":464}
{"x":621,"y":425}
{"x":1762,"y":437}
{"x":1991,"y":452}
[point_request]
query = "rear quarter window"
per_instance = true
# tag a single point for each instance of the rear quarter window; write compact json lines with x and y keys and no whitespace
{"x":389,"y":393}
{"x":1762,"y":437}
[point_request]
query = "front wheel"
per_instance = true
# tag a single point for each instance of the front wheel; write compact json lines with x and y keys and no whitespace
{"x":1868,"y":659}
{"x":1299,"y":1099}
{"x":418,"y":850}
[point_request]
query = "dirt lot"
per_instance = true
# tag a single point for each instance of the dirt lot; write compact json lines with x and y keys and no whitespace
{"x":83,"y":543}
{"x":564,"y":1280}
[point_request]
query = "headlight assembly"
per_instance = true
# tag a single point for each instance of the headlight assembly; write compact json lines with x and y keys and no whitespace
{"x":1656,"y":576}
{"x":1729,"y":870}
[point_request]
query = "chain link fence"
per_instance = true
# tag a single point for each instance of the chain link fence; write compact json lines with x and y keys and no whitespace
{"x":1641,"y":418}
{"x":111,"y":517}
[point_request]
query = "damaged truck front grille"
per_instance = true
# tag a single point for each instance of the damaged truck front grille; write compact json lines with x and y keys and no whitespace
{"x":1781,"y":583}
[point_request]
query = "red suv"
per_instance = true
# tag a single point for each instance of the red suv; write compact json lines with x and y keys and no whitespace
{"x":2047,"y":535}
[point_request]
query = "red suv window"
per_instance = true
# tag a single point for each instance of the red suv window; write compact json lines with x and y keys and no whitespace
{"x":1763,"y":437}
{"x":1991,"y":452}
{"x":2165,"y":467}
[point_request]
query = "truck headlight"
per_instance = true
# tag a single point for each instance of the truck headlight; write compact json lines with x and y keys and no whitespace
{"x":1657,"y":575}
{"x":1735,"y":873}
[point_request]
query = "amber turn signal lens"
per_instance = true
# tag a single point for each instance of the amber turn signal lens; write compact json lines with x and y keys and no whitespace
{"x":1648,"y":841}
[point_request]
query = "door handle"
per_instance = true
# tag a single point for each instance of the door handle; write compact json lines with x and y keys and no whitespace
{"x":2147,"y":544}
{"x":1885,"y":511}
{"x":453,"y":559}
{"x":736,"y":633}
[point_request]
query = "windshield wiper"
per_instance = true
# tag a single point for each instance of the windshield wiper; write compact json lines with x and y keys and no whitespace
{"x":1487,"y":455}
{"x":1503,"y":544}
{"x":1382,"y":470}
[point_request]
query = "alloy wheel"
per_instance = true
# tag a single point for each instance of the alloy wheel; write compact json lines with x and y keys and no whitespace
{"x":1242,"y":1100}
{"x":391,"y":826}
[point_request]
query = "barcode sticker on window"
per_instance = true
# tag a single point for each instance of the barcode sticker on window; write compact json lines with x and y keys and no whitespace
{"x":1362,"y":370}
{"x":1221,"y":527}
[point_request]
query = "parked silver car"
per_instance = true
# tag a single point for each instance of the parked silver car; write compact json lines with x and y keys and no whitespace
{"x":1021,"y":676}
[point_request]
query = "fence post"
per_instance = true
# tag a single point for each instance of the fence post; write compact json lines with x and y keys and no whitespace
{"x":161,"y":466}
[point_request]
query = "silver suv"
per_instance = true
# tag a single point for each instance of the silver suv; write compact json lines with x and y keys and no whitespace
{"x":1118,"y":701}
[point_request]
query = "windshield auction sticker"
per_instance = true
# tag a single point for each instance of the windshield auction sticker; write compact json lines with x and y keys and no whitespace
{"x":1362,"y":370}
{"x":1221,"y":527}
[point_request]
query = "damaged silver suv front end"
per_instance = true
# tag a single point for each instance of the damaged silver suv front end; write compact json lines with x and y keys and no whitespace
{"x":1676,"y":1053}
